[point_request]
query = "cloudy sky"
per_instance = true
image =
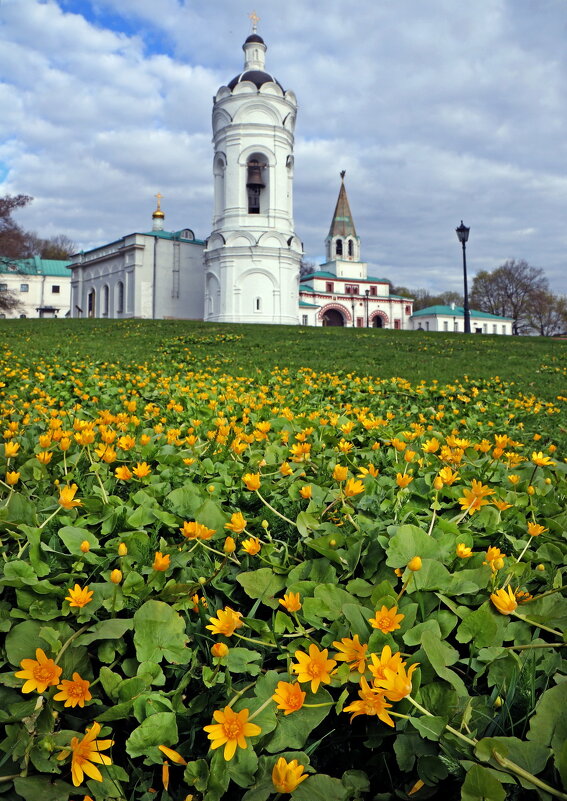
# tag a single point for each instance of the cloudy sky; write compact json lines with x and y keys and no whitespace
{"x":437,"y":110}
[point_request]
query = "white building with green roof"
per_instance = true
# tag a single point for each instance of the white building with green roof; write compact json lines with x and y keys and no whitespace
{"x":452,"y":319}
{"x":41,"y":287}
{"x":342,"y":293}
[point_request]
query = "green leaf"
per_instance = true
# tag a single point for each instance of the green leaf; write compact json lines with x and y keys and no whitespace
{"x":242,"y":767}
{"x":41,"y":788}
{"x":480,"y":785}
{"x":320,"y":788}
{"x":432,"y":576}
{"x":158,"y":729}
{"x":530,"y":756}
{"x":113,"y":629}
{"x":429,"y":727}
{"x":110,"y":681}
{"x":410,"y":541}
{"x":548,"y":726}
{"x":306,"y":523}
{"x":293,"y":730}
{"x":72,"y":538}
{"x":197,"y":774}
{"x":262,"y":584}
{"x":241,"y":660}
{"x":159,"y":633}
{"x":441,"y":654}
{"x":18,"y":574}
{"x":185,"y":500}
{"x":483,"y":627}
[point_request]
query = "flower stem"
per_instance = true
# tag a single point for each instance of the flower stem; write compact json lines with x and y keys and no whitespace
{"x":456,"y":732}
{"x":68,"y":642}
{"x":316,"y":706}
{"x":275,"y":511}
{"x":260,"y":708}
{"x":526,"y":546}
{"x":256,"y":642}
{"x":51,"y":516}
{"x":534,"y":623}
{"x":507,"y":764}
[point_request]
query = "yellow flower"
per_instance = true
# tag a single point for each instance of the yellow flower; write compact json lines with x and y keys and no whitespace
{"x":291,"y":601}
{"x":306,"y":491}
{"x":237,"y":523}
{"x":44,"y":457}
{"x":474,"y":498}
{"x":116,"y":576}
{"x":494,"y":558}
{"x":541,"y":460}
{"x":66,"y":496}
{"x":403,"y":480}
{"x":173,"y":755}
{"x":161,"y":562}
{"x":251,"y":546}
{"x":431,"y":445}
{"x":534,"y":529}
{"x":289,"y":697}
{"x":396,"y":684}
{"x":286,"y":776}
{"x":226,"y":621}
{"x":353,"y":652}
{"x":448,"y":476}
{"x":513,"y":478}
{"x":252,"y":481}
{"x":40,"y":673}
{"x":74,"y":692}
{"x":286,"y":469}
{"x":414,"y":564}
{"x":79,"y":596}
{"x":501,"y":505}
{"x":314,"y":667}
{"x":504,"y":601}
{"x":368,"y":471}
{"x":229,"y":545}
{"x":85,"y":546}
{"x":142,"y":470}
{"x":123,"y":473}
{"x":386,"y":660}
{"x":122,"y":549}
{"x":11,"y":449}
{"x":196,"y":531}
{"x":353,"y":487}
{"x":372,"y":703}
{"x":386,"y":619}
{"x":85,"y":753}
{"x":463,"y":551}
{"x":231,"y":729}
{"x":219,"y":649}
{"x":12,"y":477}
{"x":340,"y":473}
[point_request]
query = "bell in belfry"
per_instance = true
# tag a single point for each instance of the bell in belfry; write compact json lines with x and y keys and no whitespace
{"x":255,"y":174}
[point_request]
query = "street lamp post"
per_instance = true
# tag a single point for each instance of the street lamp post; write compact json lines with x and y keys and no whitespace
{"x":463,"y":235}
{"x":352,"y":304}
{"x":367,"y":292}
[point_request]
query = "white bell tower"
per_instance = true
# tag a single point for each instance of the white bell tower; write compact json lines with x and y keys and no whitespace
{"x":252,"y":255}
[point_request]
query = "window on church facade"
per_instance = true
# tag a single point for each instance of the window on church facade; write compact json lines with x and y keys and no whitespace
{"x":374,"y":290}
{"x":350,"y":248}
{"x":360,"y":322}
{"x":304,"y":320}
{"x":397,"y":325}
{"x":105,"y":299}
{"x":408,"y":309}
{"x":352,"y":289}
{"x":329,"y":286}
{"x":120,"y":297}
{"x":254,"y":185}
{"x":339,"y":247}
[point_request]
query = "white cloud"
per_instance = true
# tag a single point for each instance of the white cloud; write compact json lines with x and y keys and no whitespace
{"x":435,"y":115}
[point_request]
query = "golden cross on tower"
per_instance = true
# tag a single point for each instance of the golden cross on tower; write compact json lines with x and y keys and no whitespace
{"x":159,"y":197}
{"x":255,"y":20}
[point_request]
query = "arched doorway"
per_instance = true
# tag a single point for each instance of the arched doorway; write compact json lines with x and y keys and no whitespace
{"x":377,"y":322}
{"x":333,"y":317}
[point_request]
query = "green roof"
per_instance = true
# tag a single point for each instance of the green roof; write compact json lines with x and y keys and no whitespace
{"x":457,"y":311}
{"x":324,"y":274}
{"x":304,"y":304}
{"x":35,"y":266}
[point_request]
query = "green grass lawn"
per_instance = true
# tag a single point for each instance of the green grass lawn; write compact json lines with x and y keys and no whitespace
{"x":537,"y":365}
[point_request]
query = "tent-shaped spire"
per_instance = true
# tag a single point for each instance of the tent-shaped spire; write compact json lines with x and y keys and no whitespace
{"x":342,"y":223}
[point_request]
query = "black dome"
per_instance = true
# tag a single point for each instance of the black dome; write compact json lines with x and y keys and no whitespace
{"x":255,"y":76}
{"x":254,"y":38}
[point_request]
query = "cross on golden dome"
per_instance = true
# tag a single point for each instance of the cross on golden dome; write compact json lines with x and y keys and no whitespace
{"x":255,"y":19}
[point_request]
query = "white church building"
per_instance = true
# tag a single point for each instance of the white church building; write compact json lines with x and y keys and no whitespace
{"x":247,"y":270}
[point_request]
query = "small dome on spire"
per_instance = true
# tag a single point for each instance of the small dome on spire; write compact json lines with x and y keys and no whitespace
{"x":158,"y":216}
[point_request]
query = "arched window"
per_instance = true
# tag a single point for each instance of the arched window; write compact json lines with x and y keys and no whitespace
{"x":91,"y":303}
{"x":119,"y":297}
{"x":350,"y":248}
{"x":339,"y":247}
{"x":105,"y":298}
{"x":255,"y":184}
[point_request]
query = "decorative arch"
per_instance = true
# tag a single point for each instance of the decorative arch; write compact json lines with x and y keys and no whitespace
{"x":258,"y":113}
{"x":336,"y":307}
{"x":378,"y":315}
{"x":267,"y":239}
{"x":241,"y":238}
{"x":257,"y":271}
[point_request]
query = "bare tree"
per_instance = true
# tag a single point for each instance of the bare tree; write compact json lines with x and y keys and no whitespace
{"x":13,"y":245}
{"x":547,"y":313}
{"x":59,"y":247}
{"x":307,"y":267}
{"x":508,"y":291}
